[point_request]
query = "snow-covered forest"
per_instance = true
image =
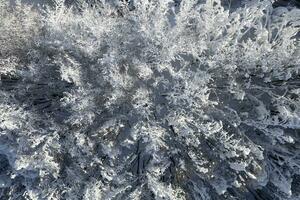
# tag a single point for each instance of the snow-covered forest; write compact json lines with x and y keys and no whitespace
{"x":149,"y":99}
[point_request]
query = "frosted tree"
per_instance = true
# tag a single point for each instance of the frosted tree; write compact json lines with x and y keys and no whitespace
{"x":149,"y":100}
